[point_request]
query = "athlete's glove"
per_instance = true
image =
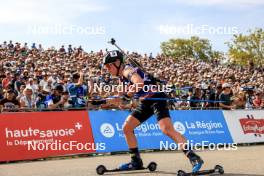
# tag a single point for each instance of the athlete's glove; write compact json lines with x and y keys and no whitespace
{"x":126,"y":98}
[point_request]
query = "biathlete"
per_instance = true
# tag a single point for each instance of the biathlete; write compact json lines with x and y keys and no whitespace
{"x":114,"y":63}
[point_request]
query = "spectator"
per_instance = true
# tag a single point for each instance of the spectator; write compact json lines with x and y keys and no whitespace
{"x":196,"y":98}
{"x":258,"y":101}
{"x":28,"y":101}
{"x":70,"y":50}
{"x":33,"y":46}
{"x":25,"y":46}
{"x":239,"y":101}
{"x":249,"y":97}
{"x":50,"y":84}
{"x":6,"y":81}
{"x":4,"y":46}
{"x":44,"y":81}
{"x":55,"y":100}
{"x":43,"y":98}
{"x":77,"y":90}
{"x":17,"y":82}
{"x":214,"y":96}
{"x":62,"y":50}
{"x":49,"y":67}
{"x":9,"y":103}
{"x":225,"y":96}
{"x":40,"y":49}
{"x":20,"y":93}
{"x":10,"y":45}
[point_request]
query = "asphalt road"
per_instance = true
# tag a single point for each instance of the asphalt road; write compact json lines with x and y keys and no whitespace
{"x":245,"y":161}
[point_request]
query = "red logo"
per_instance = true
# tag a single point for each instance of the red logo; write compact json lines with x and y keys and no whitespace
{"x":251,"y":125}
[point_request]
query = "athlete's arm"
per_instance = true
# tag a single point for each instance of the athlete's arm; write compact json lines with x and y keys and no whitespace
{"x":135,"y":78}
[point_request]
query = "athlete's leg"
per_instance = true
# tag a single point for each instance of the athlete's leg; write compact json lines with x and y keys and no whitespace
{"x":136,"y":118}
{"x":166,"y":126}
{"x":168,"y":129}
{"x":130,"y":124}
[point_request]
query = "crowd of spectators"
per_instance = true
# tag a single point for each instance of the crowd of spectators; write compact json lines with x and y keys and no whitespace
{"x":34,"y":78}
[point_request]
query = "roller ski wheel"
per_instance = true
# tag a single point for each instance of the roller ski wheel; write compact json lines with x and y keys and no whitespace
{"x":100,"y":170}
{"x":152,"y":166}
{"x":181,"y":173}
{"x":219,"y":169}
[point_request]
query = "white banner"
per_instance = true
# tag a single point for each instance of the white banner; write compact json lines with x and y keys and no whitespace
{"x":245,"y":126}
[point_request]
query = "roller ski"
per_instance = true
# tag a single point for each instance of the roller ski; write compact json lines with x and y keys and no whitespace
{"x":132,"y":166}
{"x":217,"y":170}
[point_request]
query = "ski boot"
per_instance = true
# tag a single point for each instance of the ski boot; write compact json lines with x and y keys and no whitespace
{"x":133,"y":165}
{"x":196,"y":162}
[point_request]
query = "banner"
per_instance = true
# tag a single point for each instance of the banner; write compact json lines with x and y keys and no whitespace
{"x":202,"y":127}
{"x":107,"y":128}
{"x":32,"y":135}
{"x":246,"y":126}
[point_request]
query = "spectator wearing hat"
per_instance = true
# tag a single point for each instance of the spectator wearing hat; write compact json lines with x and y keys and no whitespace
{"x":28,"y":101}
{"x":225,"y":96}
{"x":32,"y":84}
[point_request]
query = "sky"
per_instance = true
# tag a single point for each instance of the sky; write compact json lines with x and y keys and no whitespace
{"x":138,"y":25}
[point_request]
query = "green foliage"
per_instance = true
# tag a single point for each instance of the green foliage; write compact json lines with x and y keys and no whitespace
{"x":247,"y":48}
{"x":194,"y":47}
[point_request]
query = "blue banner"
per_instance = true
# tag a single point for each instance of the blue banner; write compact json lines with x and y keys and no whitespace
{"x":199,"y":127}
{"x":202,"y":126}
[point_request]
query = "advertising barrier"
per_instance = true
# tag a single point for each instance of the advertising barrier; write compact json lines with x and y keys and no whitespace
{"x":246,"y":126}
{"x":202,"y":126}
{"x":107,"y":127}
{"x":33,"y":135}
{"x":199,"y":127}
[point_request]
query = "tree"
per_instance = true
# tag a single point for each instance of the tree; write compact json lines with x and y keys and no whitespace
{"x":201,"y":48}
{"x":177,"y":48}
{"x":194,"y":47}
{"x":247,"y":49}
